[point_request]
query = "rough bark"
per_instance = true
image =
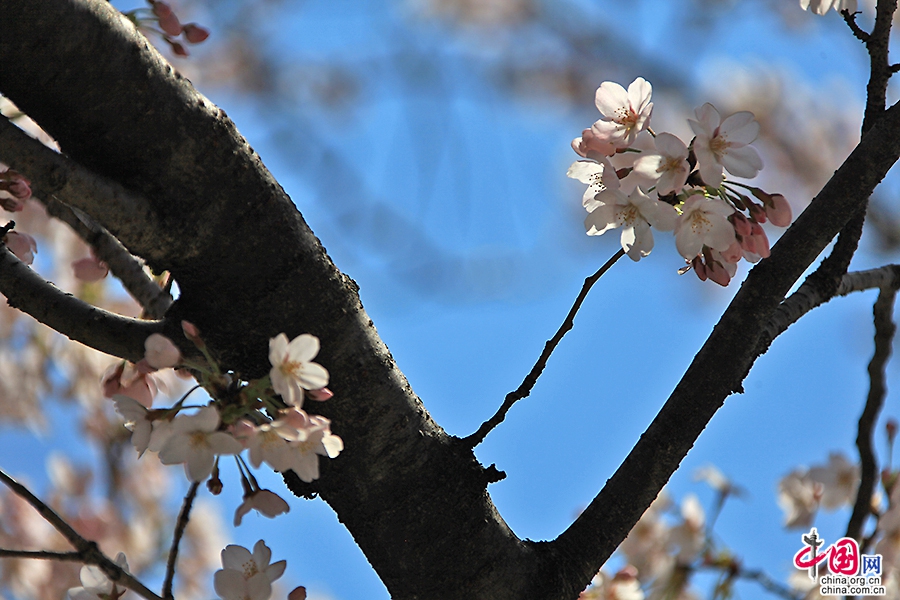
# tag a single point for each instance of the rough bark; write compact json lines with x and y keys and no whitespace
{"x":249,"y":267}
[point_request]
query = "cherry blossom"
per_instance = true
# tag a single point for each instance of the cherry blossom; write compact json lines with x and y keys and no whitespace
{"x":668,"y":169}
{"x":723,"y":144}
{"x":820,"y":7}
{"x":126,"y":379}
{"x":15,"y":190}
{"x":798,"y":496}
{"x":95,"y":585}
{"x":195,"y":441}
{"x":90,"y":268}
{"x":625,"y":114}
{"x":635,"y":214}
{"x":265,"y":502}
{"x":839,"y":480}
{"x":589,"y":145}
{"x":247,"y":576}
{"x":160,"y":352}
{"x":598,"y":175}
{"x":309,"y":437}
{"x":136,"y":420}
{"x":703,"y":222}
{"x":292,"y":369}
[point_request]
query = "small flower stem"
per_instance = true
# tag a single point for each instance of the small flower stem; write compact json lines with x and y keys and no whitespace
{"x":531,"y":379}
{"x":183,"y":518}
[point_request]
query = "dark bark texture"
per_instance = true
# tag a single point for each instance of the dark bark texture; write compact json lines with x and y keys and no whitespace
{"x":198,"y":202}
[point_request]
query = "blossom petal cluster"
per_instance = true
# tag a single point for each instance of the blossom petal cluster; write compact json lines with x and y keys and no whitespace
{"x":639,"y":180}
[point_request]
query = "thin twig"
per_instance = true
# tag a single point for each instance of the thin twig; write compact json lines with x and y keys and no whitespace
{"x":769,"y":584}
{"x":525,"y":388}
{"x":183,"y":518}
{"x":89,"y":552}
{"x":41,"y":554}
{"x":884,"y":335}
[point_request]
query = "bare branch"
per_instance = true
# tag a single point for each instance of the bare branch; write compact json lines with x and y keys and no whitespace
{"x":53,"y":175}
{"x":884,"y":336}
{"x":102,"y":330}
{"x":90,"y":553}
{"x":42,"y":554}
{"x":154,"y":300}
{"x":525,"y":388}
{"x":183,"y":518}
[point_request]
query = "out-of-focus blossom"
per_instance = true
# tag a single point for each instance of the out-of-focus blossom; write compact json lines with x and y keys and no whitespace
{"x":798,"y":496}
{"x":839,"y":480}
{"x":194,"y":33}
{"x":292,"y":368}
{"x":820,"y":7}
{"x":22,"y":245}
{"x":160,"y":352}
{"x":15,"y":190}
{"x":689,"y":536}
{"x":624,"y":585}
{"x":724,"y":144}
{"x":90,"y":268}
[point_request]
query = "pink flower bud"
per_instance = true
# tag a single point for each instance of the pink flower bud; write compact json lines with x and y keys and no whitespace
{"x":161,"y":9}
{"x":779,"y":211}
{"x":168,"y":22}
{"x":192,"y":333}
{"x":160,"y":352}
{"x":716,"y":272}
{"x":699,"y":268}
{"x":195,"y":34}
{"x":90,"y":269}
{"x":22,"y":245}
{"x":11,"y":203}
{"x":762,"y":241}
{"x":757,"y":212}
{"x":321,"y":394}
{"x":589,"y":145}
{"x":741,"y":224}
{"x":734,"y":253}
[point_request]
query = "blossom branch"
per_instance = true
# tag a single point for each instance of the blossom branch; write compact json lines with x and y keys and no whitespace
{"x":183,"y":518}
{"x":153,"y":299}
{"x":531,"y":379}
{"x":727,"y":356}
{"x":128,"y":216}
{"x":89,"y":553}
{"x":102,"y":330}
{"x":884,"y":336}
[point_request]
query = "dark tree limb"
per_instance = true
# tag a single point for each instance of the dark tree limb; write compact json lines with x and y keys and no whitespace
{"x":102,"y":330}
{"x":884,"y":337}
{"x":180,"y":526}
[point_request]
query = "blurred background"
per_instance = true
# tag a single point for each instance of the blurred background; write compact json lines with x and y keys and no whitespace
{"x":426,"y":143}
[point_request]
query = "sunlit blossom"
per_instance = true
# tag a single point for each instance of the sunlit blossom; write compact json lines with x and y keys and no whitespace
{"x":625,"y":113}
{"x":724,"y":144}
{"x":635,"y":213}
{"x":292,"y":368}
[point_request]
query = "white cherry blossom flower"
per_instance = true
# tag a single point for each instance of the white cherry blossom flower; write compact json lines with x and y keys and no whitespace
{"x":667,"y":168}
{"x":247,"y":576}
{"x":136,"y":421}
{"x":703,"y":222}
{"x":22,"y":245}
{"x":195,"y":441}
{"x":820,"y":7}
{"x":95,"y":585}
{"x":265,"y":502}
{"x":635,"y":214}
{"x":309,"y":436}
{"x":598,"y":176}
{"x":723,"y":144}
{"x":625,"y":114}
{"x":292,"y":369}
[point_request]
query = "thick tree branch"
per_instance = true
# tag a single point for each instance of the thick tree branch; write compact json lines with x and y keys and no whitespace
{"x":884,"y":337}
{"x":104,"y":331}
{"x":725,"y":359}
{"x":525,"y":388}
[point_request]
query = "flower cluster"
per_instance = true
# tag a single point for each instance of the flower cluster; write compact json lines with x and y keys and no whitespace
{"x":161,"y":15}
{"x":639,"y":180}
{"x":242,"y":416}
